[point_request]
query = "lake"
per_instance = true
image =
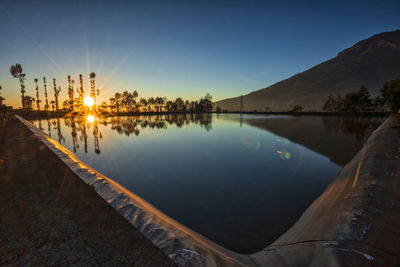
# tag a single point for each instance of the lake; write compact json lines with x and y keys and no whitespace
{"x":239,"y":180}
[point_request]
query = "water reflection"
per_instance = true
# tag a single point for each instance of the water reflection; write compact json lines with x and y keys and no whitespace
{"x":358,"y":127}
{"x":337,"y":137}
{"x":84,"y":127}
{"x":327,"y":135}
{"x":242,"y":182}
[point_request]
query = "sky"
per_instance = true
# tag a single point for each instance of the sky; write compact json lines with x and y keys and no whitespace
{"x":178,"y":48}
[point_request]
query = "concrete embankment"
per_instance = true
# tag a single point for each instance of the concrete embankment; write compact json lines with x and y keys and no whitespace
{"x":354,"y":222}
{"x":49,"y":216}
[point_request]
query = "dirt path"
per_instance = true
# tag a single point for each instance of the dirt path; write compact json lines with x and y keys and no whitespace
{"x":48,"y":216}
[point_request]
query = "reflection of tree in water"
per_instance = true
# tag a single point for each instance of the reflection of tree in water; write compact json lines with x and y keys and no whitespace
{"x":96,"y":135}
{"x":40,"y":125}
{"x":359,"y":127}
{"x":49,"y":128}
{"x":60,"y":136}
{"x":81,"y":127}
{"x":131,"y":125}
{"x":123,"y":125}
{"x":202,"y":119}
{"x":70,"y":122}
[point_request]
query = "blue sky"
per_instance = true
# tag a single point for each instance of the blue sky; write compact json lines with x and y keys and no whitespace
{"x":179,"y":48}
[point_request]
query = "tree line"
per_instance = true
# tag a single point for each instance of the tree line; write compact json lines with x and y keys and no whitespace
{"x":120,"y":102}
{"x":361,"y":100}
{"x":28,"y":102}
{"x":129,"y":102}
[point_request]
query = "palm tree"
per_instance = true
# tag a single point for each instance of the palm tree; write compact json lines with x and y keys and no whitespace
{"x":37,"y":95}
{"x":16,"y":72}
{"x":56,"y":93}
{"x":93,"y":87}
{"x":46,"y":106}
{"x":81,"y":91}
{"x":70,"y":92}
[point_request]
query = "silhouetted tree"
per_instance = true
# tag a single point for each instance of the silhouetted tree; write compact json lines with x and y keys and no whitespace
{"x":150,"y":103}
{"x":70,"y":93}
{"x":179,"y":105}
{"x":37,"y":95}
{"x":169,"y":105}
{"x":93,"y":87}
{"x":28,"y":101}
{"x":297,"y":108}
{"x":81,"y":91}
{"x":205,"y":104}
{"x":117,"y":98}
{"x":357,"y":101}
{"x":16,"y":72}
{"x":143,"y":103}
{"x":159,"y":103}
{"x":330,"y":104}
{"x":56,"y":93}
{"x":1,"y":98}
{"x":390,"y":93}
{"x":66,"y":105}
{"x":128,"y":101}
{"x":46,"y":106}
{"x":135,"y":94}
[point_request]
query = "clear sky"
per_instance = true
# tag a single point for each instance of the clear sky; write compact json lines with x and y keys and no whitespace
{"x":179,"y":48}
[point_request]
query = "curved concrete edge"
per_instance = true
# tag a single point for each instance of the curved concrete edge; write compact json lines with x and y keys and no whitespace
{"x":356,"y":220}
{"x":181,"y":244}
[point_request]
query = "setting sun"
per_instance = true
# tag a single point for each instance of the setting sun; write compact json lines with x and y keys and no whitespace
{"x":90,"y":118}
{"x":88,"y":101}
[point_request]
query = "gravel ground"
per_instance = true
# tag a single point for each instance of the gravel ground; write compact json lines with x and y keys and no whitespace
{"x":48,"y":216}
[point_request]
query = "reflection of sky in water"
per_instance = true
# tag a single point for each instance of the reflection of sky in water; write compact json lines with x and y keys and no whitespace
{"x":241,"y":186}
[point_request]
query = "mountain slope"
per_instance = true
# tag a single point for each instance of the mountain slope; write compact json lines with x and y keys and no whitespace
{"x":370,"y":62}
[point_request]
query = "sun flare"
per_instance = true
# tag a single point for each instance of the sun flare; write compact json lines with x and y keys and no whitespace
{"x":88,"y":101}
{"x":90,"y":118}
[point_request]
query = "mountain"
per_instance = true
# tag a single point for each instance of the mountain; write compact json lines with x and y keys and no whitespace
{"x":370,"y":62}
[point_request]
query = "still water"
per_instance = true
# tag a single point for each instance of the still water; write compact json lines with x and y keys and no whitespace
{"x":241,"y":181}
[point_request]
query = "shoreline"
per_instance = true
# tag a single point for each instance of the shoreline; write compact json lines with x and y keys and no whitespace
{"x":54,"y":114}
